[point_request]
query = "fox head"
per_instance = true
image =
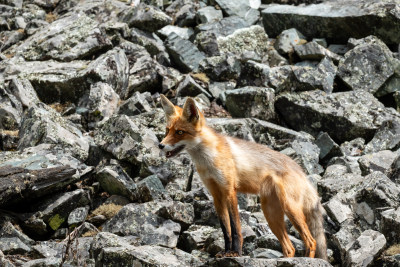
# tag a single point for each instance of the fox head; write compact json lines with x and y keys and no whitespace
{"x":183,"y":128}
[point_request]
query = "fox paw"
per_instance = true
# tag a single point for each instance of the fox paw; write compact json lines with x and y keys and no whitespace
{"x":223,"y":254}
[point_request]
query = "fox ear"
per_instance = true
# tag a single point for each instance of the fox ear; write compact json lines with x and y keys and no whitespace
{"x":168,"y":107}
{"x":190,"y":111}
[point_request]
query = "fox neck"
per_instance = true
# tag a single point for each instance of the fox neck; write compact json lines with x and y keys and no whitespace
{"x":206,"y":146}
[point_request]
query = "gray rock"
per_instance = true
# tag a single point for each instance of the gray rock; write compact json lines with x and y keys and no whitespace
{"x":145,"y":17}
{"x":339,"y":211}
{"x":144,"y":76}
{"x":252,"y":39}
{"x":136,"y":104}
{"x":247,"y":262}
{"x":233,"y":127}
{"x":314,"y":51}
{"x":395,"y":174}
{"x":208,"y":14}
{"x":241,"y":8}
{"x":23,"y":90}
{"x":221,"y":68}
{"x":141,"y":220}
{"x":4,"y":262}
{"x":257,"y":102}
{"x":366,"y":248}
{"x":184,"y":33}
{"x":78,"y":216}
{"x":11,"y":38}
{"x":328,"y":147}
{"x":186,"y":16}
{"x":331,"y":19}
{"x":8,"y":230}
{"x":195,"y":237}
{"x":189,"y":87}
{"x":152,"y":43}
{"x":72,"y":37}
{"x":47,"y":262}
{"x":344,"y":239}
{"x":265,"y":253}
{"x":390,"y":225}
{"x":270,"y":241}
{"x":182,"y":213}
{"x":339,"y":49}
{"x":354,"y":147}
{"x":344,"y":115}
{"x":150,"y":188}
{"x":42,"y":124}
{"x":222,"y":27}
{"x":255,"y":74}
{"x":151,"y":256}
{"x":112,"y":68}
{"x":367,"y":66}
{"x":183,"y":53}
{"x":286,"y":40}
{"x":217,"y":89}
{"x":106,"y":240}
{"x":380,"y":161}
{"x":387,"y":137}
{"x":333,"y":183}
{"x":10,"y":110}
{"x":392,"y":84}
{"x":13,"y":245}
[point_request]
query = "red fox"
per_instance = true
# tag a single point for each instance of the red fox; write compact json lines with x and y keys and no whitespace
{"x":228,"y":165}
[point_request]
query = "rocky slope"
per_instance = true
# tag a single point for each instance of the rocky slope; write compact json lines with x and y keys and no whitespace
{"x":82,"y":182}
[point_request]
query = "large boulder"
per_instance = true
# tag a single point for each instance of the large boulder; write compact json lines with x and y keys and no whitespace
{"x":244,"y":8}
{"x":344,"y":115}
{"x":336,"y":20}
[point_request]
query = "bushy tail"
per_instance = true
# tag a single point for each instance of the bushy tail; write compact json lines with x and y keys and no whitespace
{"x":315,"y":224}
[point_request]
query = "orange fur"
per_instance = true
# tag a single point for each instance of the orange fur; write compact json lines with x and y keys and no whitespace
{"x":228,"y":165}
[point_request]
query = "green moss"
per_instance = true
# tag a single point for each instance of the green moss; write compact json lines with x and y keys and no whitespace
{"x":56,"y":221}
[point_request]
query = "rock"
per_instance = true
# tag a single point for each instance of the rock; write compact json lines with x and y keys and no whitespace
{"x":387,"y":137}
{"x":342,"y":115}
{"x":147,"y":256}
{"x":23,"y":90}
{"x":13,"y":245}
{"x":329,"y":20}
{"x":395,"y":174}
{"x":145,"y":17}
{"x":222,"y":27}
{"x":189,"y":87}
{"x":141,"y":220}
{"x":252,"y":39}
{"x":265,"y":253}
{"x":186,"y":16}
{"x":42,"y":124}
{"x":69,"y":38}
{"x":184,"y":33}
{"x":366,"y":248}
{"x":391,"y":85}
{"x":367,"y":66}
{"x":339,"y":211}
{"x":8,"y":230}
{"x":48,"y":262}
{"x":270,"y":241}
{"x":195,"y":237}
{"x":286,"y":40}
{"x":138,"y":103}
{"x":101,"y":103}
{"x":246,"y":261}
{"x":152,"y":43}
{"x":339,"y":49}
{"x":390,"y":225}
{"x":217,"y":89}
{"x":112,"y":68}
{"x":106,"y":240}
{"x":182,"y":213}
{"x":221,"y":68}
{"x":78,"y":216}
{"x":354,"y":147}
{"x":183,"y":53}
{"x":328,"y":147}
{"x":333,"y":183}
{"x":150,"y":188}
{"x":11,"y":38}
{"x":380,"y":161}
{"x":255,"y":74}
{"x":4,"y":262}
{"x":254,"y":102}
{"x":208,"y":14}
{"x":10,"y":110}
{"x":314,"y":51}
{"x":242,"y":9}
{"x":344,"y":239}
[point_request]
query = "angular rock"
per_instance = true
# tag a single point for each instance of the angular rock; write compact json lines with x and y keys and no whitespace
{"x":184,"y":33}
{"x":344,"y":115}
{"x":366,"y":248}
{"x":4,"y":262}
{"x":286,"y":40}
{"x":367,"y":66}
{"x":222,"y":27}
{"x":182,"y":213}
{"x":255,"y":102}
{"x":186,"y":16}
{"x":184,"y":53}
{"x":42,"y":124}
{"x":395,"y":174}
{"x":13,"y":245}
{"x":314,"y":51}
{"x":332,"y":184}
{"x":328,"y":147}
{"x":144,"y":75}
{"x":252,"y":39}
{"x":265,"y":253}
{"x":390,"y":225}
{"x":387,"y":137}
{"x":270,"y":241}
{"x":149,"y":189}
{"x":10,"y":110}
{"x":69,"y":38}
{"x":189,"y":87}
{"x":136,"y":104}
{"x":339,"y":49}
{"x":354,"y":147}
{"x":344,"y":239}
{"x":240,"y":8}
{"x":208,"y":14}
{"x":145,"y":17}
{"x":48,"y":262}
{"x":337,"y":210}
{"x":78,"y":216}
{"x":8,"y":230}
{"x":392,"y":84}
{"x":151,"y":256}
{"x":140,"y":220}
{"x":380,"y":161}
{"x":221,"y":68}
{"x":247,"y":262}
{"x":23,"y":90}
{"x":330,"y":20}
{"x":195,"y":237}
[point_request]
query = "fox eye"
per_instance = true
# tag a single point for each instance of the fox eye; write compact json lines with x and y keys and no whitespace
{"x":179,"y":132}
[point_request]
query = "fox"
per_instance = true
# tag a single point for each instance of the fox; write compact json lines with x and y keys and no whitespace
{"x":228,"y":165}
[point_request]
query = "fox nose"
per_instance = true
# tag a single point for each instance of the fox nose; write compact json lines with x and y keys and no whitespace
{"x":161,"y":146}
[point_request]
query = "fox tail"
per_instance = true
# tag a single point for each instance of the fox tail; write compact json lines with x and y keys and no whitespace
{"x":315,"y":224}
